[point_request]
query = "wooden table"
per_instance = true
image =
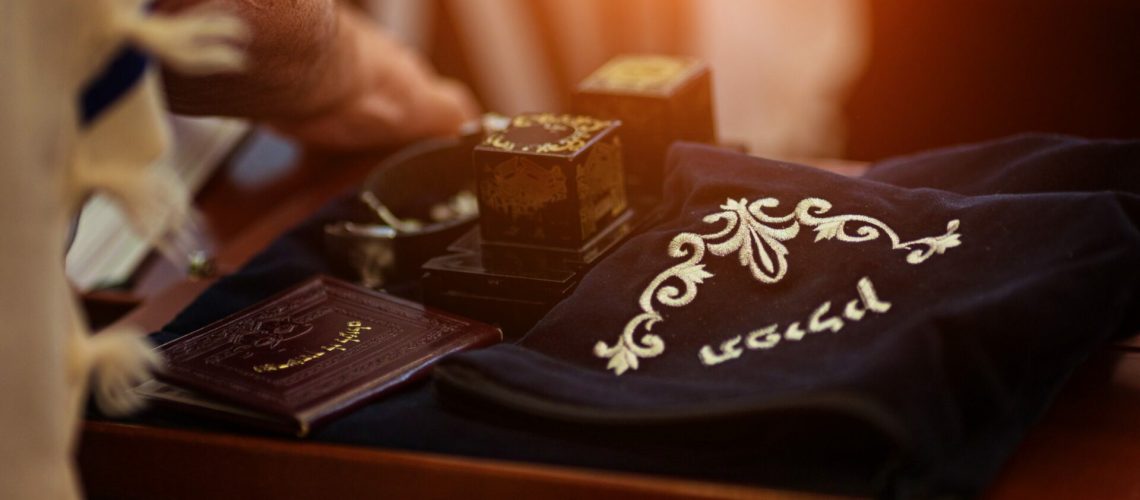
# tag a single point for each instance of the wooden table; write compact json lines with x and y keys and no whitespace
{"x":1086,"y":446}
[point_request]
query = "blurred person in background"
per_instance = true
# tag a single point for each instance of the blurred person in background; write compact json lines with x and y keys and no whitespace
{"x":327,"y":76}
{"x":781,"y":70}
{"x":321,"y":72}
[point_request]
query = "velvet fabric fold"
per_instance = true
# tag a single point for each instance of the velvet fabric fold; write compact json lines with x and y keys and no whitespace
{"x":749,"y":302}
{"x":924,"y":389}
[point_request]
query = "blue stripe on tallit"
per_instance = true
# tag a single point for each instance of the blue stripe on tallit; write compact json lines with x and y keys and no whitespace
{"x":118,"y":77}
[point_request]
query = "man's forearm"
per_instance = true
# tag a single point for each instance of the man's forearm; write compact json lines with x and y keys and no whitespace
{"x":324,"y":74}
{"x":300,"y":63}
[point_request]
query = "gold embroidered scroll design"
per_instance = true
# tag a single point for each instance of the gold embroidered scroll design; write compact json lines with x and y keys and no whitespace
{"x":757,"y":239}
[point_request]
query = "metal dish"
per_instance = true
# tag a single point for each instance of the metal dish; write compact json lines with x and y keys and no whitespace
{"x":408,"y":184}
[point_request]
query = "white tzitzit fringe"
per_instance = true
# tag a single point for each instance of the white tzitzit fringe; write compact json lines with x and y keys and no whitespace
{"x":118,"y":361}
{"x":201,"y":40}
{"x":115,"y":154}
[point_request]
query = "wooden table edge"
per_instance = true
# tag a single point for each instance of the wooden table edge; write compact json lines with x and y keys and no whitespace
{"x":414,"y":474}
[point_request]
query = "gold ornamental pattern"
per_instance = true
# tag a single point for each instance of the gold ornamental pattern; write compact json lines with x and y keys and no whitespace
{"x":576,"y":132}
{"x":601,"y":186}
{"x":757,"y":239}
{"x":641,"y":74}
{"x":519,"y":187}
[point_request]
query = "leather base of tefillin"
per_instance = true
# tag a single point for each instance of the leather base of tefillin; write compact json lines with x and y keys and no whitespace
{"x":552,"y":201}
{"x":515,"y":285}
{"x":513,"y":255}
{"x":512,"y":295}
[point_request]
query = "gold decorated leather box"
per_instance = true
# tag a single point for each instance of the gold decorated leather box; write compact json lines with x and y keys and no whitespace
{"x":550,"y":181}
{"x":659,"y":100}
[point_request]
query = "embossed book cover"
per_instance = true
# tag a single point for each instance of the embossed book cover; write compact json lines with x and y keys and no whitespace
{"x":308,"y":354}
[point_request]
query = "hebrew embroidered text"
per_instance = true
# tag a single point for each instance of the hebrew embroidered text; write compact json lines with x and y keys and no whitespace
{"x":757,"y":240}
{"x":818,"y":322}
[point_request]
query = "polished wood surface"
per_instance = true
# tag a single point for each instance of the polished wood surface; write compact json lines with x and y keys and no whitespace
{"x":952,"y":72}
{"x":185,"y":464}
{"x":1086,"y":446}
{"x":244,"y":219}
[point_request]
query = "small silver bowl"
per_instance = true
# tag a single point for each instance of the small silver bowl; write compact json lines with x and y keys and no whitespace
{"x":409,"y":183}
{"x":367,"y":250}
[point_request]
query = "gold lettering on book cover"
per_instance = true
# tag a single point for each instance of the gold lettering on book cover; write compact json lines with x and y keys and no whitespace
{"x":347,"y":336}
{"x":757,"y":239}
{"x":411,"y":346}
{"x":359,"y":339}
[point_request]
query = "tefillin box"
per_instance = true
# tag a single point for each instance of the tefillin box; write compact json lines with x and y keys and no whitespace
{"x":659,"y":100}
{"x":549,"y":182}
{"x":552,"y":200}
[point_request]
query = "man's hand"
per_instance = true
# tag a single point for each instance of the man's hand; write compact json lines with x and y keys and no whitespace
{"x":323,"y":73}
{"x":399,"y":98}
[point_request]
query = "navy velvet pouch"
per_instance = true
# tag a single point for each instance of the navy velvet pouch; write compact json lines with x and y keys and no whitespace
{"x":926,"y":397}
{"x":781,"y":309}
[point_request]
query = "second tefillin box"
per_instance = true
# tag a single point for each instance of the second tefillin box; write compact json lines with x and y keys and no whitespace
{"x":552,"y":201}
{"x":549,"y":182}
{"x":659,"y":100}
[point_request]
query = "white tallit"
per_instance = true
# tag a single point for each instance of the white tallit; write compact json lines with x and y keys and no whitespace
{"x":49,"y":162}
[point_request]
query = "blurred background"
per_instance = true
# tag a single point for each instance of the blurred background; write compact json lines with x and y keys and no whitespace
{"x":859,"y":79}
{"x":794,"y":79}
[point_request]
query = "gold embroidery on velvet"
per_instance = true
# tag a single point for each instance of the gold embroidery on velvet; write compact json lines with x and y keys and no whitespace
{"x":771,"y":338}
{"x":816,"y":324}
{"x":853,"y":312}
{"x":757,"y":240}
{"x":794,"y":332}
{"x":730,"y":348}
{"x":870,"y":300}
